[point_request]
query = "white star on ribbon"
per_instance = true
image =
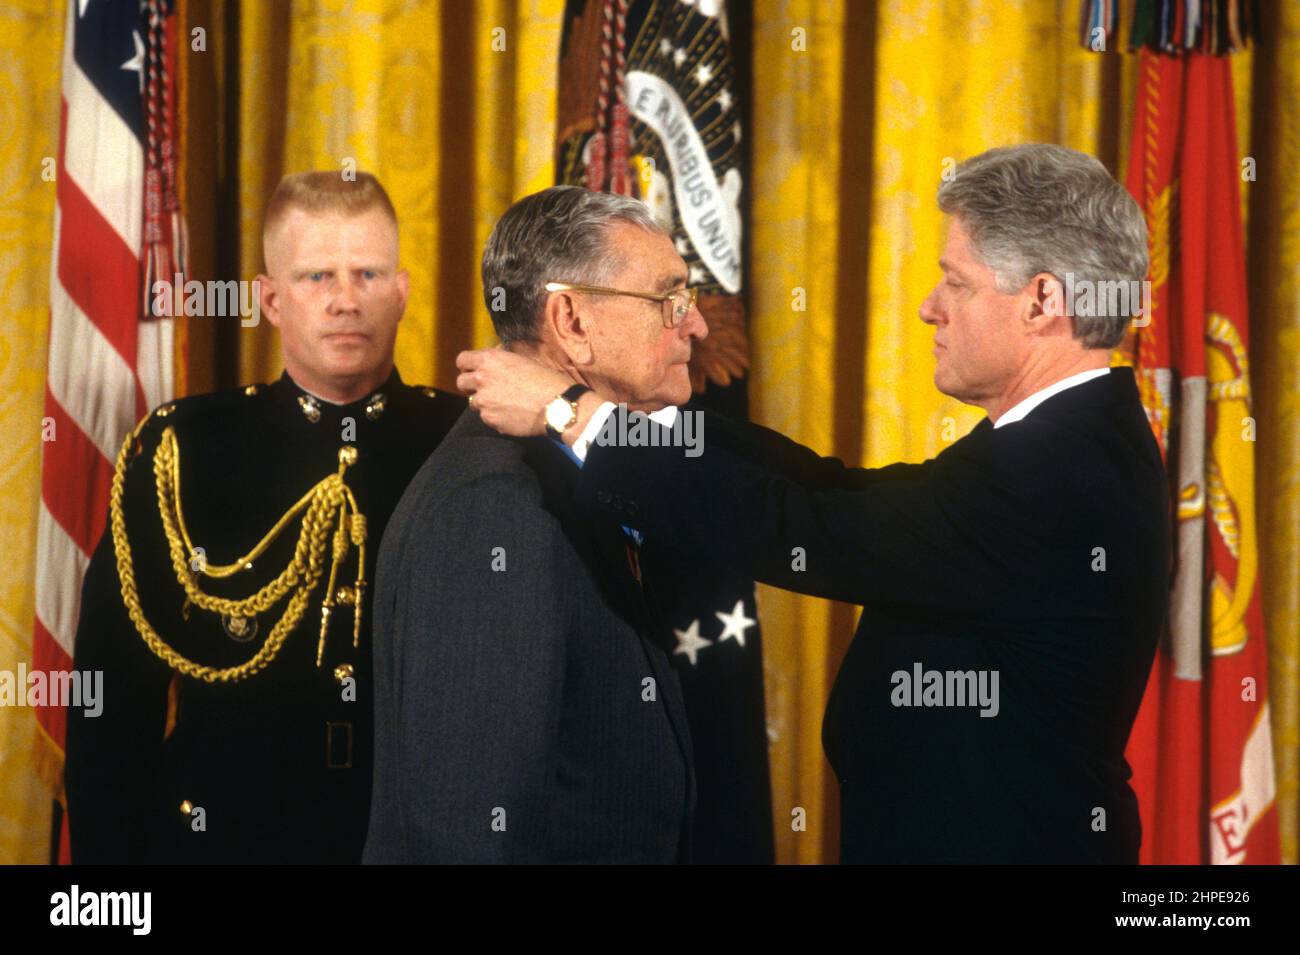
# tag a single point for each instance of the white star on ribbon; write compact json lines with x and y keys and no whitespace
{"x":683,"y":247}
{"x":735,"y":624}
{"x":136,"y":62}
{"x":665,"y":47}
{"x":725,"y":100}
{"x":679,"y":57}
{"x":703,"y":74}
{"x":690,"y":642}
{"x":698,"y":275}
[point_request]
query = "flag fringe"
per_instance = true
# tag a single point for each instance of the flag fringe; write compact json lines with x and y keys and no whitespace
{"x":1217,"y":27}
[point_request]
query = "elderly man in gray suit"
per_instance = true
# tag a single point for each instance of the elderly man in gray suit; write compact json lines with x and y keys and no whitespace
{"x":524,"y":712}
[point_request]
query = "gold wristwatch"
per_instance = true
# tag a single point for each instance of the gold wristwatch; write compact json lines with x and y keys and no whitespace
{"x":562,"y":411}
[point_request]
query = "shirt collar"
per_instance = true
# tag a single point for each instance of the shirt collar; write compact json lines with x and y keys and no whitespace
{"x":1018,"y":411}
{"x":665,"y":417}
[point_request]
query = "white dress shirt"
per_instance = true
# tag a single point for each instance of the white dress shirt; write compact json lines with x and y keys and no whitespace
{"x":666,"y":416}
{"x":1018,"y":411}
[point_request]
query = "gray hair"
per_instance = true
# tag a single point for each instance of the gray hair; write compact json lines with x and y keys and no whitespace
{"x":1044,"y":208}
{"x":556,"y":235}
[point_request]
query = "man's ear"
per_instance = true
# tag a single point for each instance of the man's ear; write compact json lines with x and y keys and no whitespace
{"x":269,"y":299}
{"x":1048,"y":299}
{"x":570,"y":327}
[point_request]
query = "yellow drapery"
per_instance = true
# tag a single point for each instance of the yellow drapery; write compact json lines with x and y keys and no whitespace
{"x":31,"y":39}
{"x":1273,"y":264}
{"x":853,"y":119}
{"x":452,"y":106}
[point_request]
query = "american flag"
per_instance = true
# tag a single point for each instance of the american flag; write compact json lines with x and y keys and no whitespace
{"x":109,"y":361}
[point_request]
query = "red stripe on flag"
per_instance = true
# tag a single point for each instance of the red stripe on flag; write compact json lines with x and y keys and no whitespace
{"x":100,"y":273}
{"x":76,"y":479}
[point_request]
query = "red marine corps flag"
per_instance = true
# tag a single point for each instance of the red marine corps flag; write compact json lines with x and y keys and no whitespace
{"x":1201,"y":748}
{"x":116,"y":228}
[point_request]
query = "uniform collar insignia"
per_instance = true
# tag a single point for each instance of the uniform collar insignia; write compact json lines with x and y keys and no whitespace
{"x":310,"y":407}
{"x":314,"y":408}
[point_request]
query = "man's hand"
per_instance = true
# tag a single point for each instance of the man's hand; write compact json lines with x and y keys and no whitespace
{"x":510,"y":392}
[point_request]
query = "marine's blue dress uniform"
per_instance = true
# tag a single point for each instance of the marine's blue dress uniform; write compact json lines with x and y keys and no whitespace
{"x":214,"y":746}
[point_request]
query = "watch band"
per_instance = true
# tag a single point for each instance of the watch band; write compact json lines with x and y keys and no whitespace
{"x":570,"y":395}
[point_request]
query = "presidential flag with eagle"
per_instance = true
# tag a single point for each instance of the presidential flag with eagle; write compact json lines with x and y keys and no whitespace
{"x":652,"y":104}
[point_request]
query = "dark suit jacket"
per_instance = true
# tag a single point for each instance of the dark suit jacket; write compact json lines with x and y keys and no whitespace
{"x":987,"y":559}
{"x":515,"y":675}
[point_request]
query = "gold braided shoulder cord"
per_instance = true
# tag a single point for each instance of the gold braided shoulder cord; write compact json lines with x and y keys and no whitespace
{"x":328,"y":507}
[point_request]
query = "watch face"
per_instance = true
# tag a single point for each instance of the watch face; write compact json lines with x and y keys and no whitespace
{"x":559,"y":414}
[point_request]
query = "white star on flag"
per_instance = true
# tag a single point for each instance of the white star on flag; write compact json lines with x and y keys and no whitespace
{"x":665,"y":47}
{"x":679,"y":57}
{"x":735,"y":624}
{"x":136,"y":62}
{"x":683,"y":247}
{"x":698,"y":275}
{"x":703,"y":74}
{"x":690,"y":642}
{"x":725,"y":100}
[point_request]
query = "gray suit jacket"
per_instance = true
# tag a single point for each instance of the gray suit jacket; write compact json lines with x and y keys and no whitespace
{"x":523,"y":712}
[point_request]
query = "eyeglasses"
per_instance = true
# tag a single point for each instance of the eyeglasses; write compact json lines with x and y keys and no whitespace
{"x":675,"y":305}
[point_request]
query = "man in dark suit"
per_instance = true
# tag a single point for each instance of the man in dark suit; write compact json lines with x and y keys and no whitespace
{"x":525,"y":711}
{"x":1013,"y":588}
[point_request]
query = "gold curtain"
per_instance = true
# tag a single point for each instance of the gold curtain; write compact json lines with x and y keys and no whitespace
{"x":1273,"y":264}
{"x":31,"y":38}
{"x":797,"y":338}
{"x":856,"y":108}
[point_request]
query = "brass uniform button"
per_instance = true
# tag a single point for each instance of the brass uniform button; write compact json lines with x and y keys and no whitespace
{"x":347,"y":455}
{"x":165,"y":410}
{"x":240,"y":629}
{"x":375,"y":406}
{"x":342,"y":672}
{"x":251,"y":390}
{"x":187,"y":807}
{"x":346,"y":596}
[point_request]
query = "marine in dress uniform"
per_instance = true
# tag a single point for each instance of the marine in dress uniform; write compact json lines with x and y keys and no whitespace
{"x":228,"y":608}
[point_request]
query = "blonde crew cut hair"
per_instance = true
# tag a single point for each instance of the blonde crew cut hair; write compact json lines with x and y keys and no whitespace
{"x":325,"y":190}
